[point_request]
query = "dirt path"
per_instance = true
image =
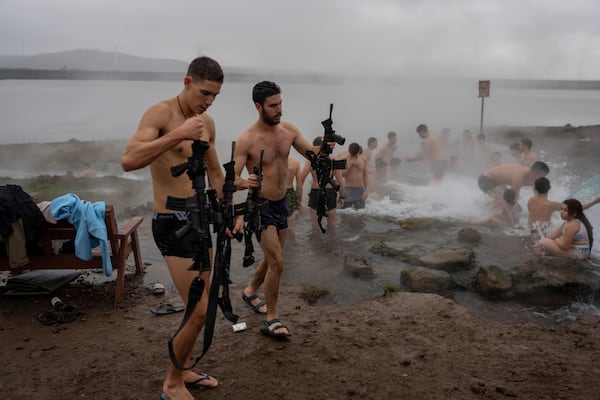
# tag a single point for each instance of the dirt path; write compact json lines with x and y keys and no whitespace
{"x":405,"y":345}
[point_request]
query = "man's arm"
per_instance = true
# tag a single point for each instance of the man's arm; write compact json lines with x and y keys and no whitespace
{"x":145,"y":145}
{"x":591,"y":203}
{"x":240,"y":156}
{"x":305,"y":171}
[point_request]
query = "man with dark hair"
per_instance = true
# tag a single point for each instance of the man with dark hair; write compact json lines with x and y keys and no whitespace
{"x":540,"y":207}
{"x":356,"y":180}
{"x":494,"y":180}
{"x":432,"y":150}
{"x":164,"y":139}
{"x":275,"y":137}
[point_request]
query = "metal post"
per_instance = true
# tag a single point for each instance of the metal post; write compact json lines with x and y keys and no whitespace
{"x":481,"y":120}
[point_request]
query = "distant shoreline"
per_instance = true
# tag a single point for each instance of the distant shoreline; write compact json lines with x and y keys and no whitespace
{"x":237,"y":76}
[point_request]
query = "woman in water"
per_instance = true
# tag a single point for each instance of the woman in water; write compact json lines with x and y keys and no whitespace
{"x":573,"y":239}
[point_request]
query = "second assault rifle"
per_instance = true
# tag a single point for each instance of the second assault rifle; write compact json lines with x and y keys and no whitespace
{"x":252,"y":222}
{"x":325,"y":166}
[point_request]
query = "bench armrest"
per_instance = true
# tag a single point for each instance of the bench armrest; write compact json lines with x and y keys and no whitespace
{"x":127,"y":228}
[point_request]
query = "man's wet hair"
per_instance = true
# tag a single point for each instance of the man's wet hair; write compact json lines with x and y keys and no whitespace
{"x":317,"y":141}
{"x":422,"y":128}
{"x":354,"y":149}
{"x":510,"y":196}
{"x":264,"y":89}
{"x":391,"y":135}
{"x":527,"y":143}
{"x":205,"y":69}
{"x":542,"y":185}
{"x":541,"y":167}
{"x":371,"y":140}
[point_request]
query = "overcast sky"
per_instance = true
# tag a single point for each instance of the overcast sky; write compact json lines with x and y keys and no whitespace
{"x":549,"y":39}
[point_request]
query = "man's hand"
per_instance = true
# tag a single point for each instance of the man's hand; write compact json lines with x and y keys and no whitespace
{"x":193,"y":129}
{"x":252,"y":181}
{"x":238,"y":227}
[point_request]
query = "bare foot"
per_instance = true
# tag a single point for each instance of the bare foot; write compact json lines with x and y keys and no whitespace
{"x":175,"y":392}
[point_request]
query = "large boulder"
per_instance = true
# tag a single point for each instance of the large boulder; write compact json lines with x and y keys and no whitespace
{"x":468,"y":235}
{"x":421,"y":279}
{"x":448,"y":259}
{"x":493,"y":281}
{"x":358,"y":266}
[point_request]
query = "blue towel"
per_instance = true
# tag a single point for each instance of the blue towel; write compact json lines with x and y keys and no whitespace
{"x":88,"y":219}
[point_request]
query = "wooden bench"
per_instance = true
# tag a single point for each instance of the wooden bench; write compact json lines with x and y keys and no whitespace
{"x":122,"y":241}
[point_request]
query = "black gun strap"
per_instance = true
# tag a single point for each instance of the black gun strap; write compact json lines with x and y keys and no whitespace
{"x":195,"y":294}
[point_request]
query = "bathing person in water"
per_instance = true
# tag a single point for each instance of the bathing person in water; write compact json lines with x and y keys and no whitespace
{"x":573,"y":239}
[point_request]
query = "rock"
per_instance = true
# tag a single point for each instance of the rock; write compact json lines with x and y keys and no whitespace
{"x":493,"y":280}
{"x":416,"y":223}
{"x":357,"y":266}
{"x":449,"y":260}
{"x":383,"y":249}
{"x":469,"y":235}
{"x":421,"y":279}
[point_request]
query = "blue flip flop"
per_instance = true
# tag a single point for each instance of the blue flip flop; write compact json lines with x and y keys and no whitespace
{"x":269,"y":330}
{"x":255,"y":307}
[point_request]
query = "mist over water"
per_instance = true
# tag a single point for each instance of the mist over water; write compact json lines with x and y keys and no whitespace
{"x":56,"y":111}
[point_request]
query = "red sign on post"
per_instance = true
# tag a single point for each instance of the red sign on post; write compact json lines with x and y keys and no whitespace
{"x":484,"y":88}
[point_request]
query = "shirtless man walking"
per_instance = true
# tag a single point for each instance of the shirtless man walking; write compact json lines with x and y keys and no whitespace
{"x":163,"y":139}
{"x":356,"y":179}
{"x":494,"y":180}
{"x":275,"y":137}
{"x":432,"y":150}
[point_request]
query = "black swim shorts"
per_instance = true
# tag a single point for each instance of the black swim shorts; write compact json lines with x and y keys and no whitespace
{"x":274,"y":213}
{"x":313,"y":198}
{"x":164,"y":227}
{"x":486,"y":184}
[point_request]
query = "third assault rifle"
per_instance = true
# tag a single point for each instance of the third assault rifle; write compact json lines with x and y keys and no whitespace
{"x":224,"y":218}
{"x":324,"y":166}
{"x":252,"y":223}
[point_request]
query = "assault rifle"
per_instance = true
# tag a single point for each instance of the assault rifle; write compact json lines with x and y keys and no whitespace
{"x":324,"y":166}
{"x":252,"y":223}
{"x":200,"y":215}
{"x":225,"y":218}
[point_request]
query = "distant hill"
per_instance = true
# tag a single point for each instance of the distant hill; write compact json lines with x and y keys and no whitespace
{"x":92,"y":60}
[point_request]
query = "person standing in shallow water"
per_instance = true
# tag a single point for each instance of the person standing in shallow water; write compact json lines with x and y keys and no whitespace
{"x":163,"y":139}
{"x":275,"y":137}
{"x":432,"y":150}
{"x":356,"y":180}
